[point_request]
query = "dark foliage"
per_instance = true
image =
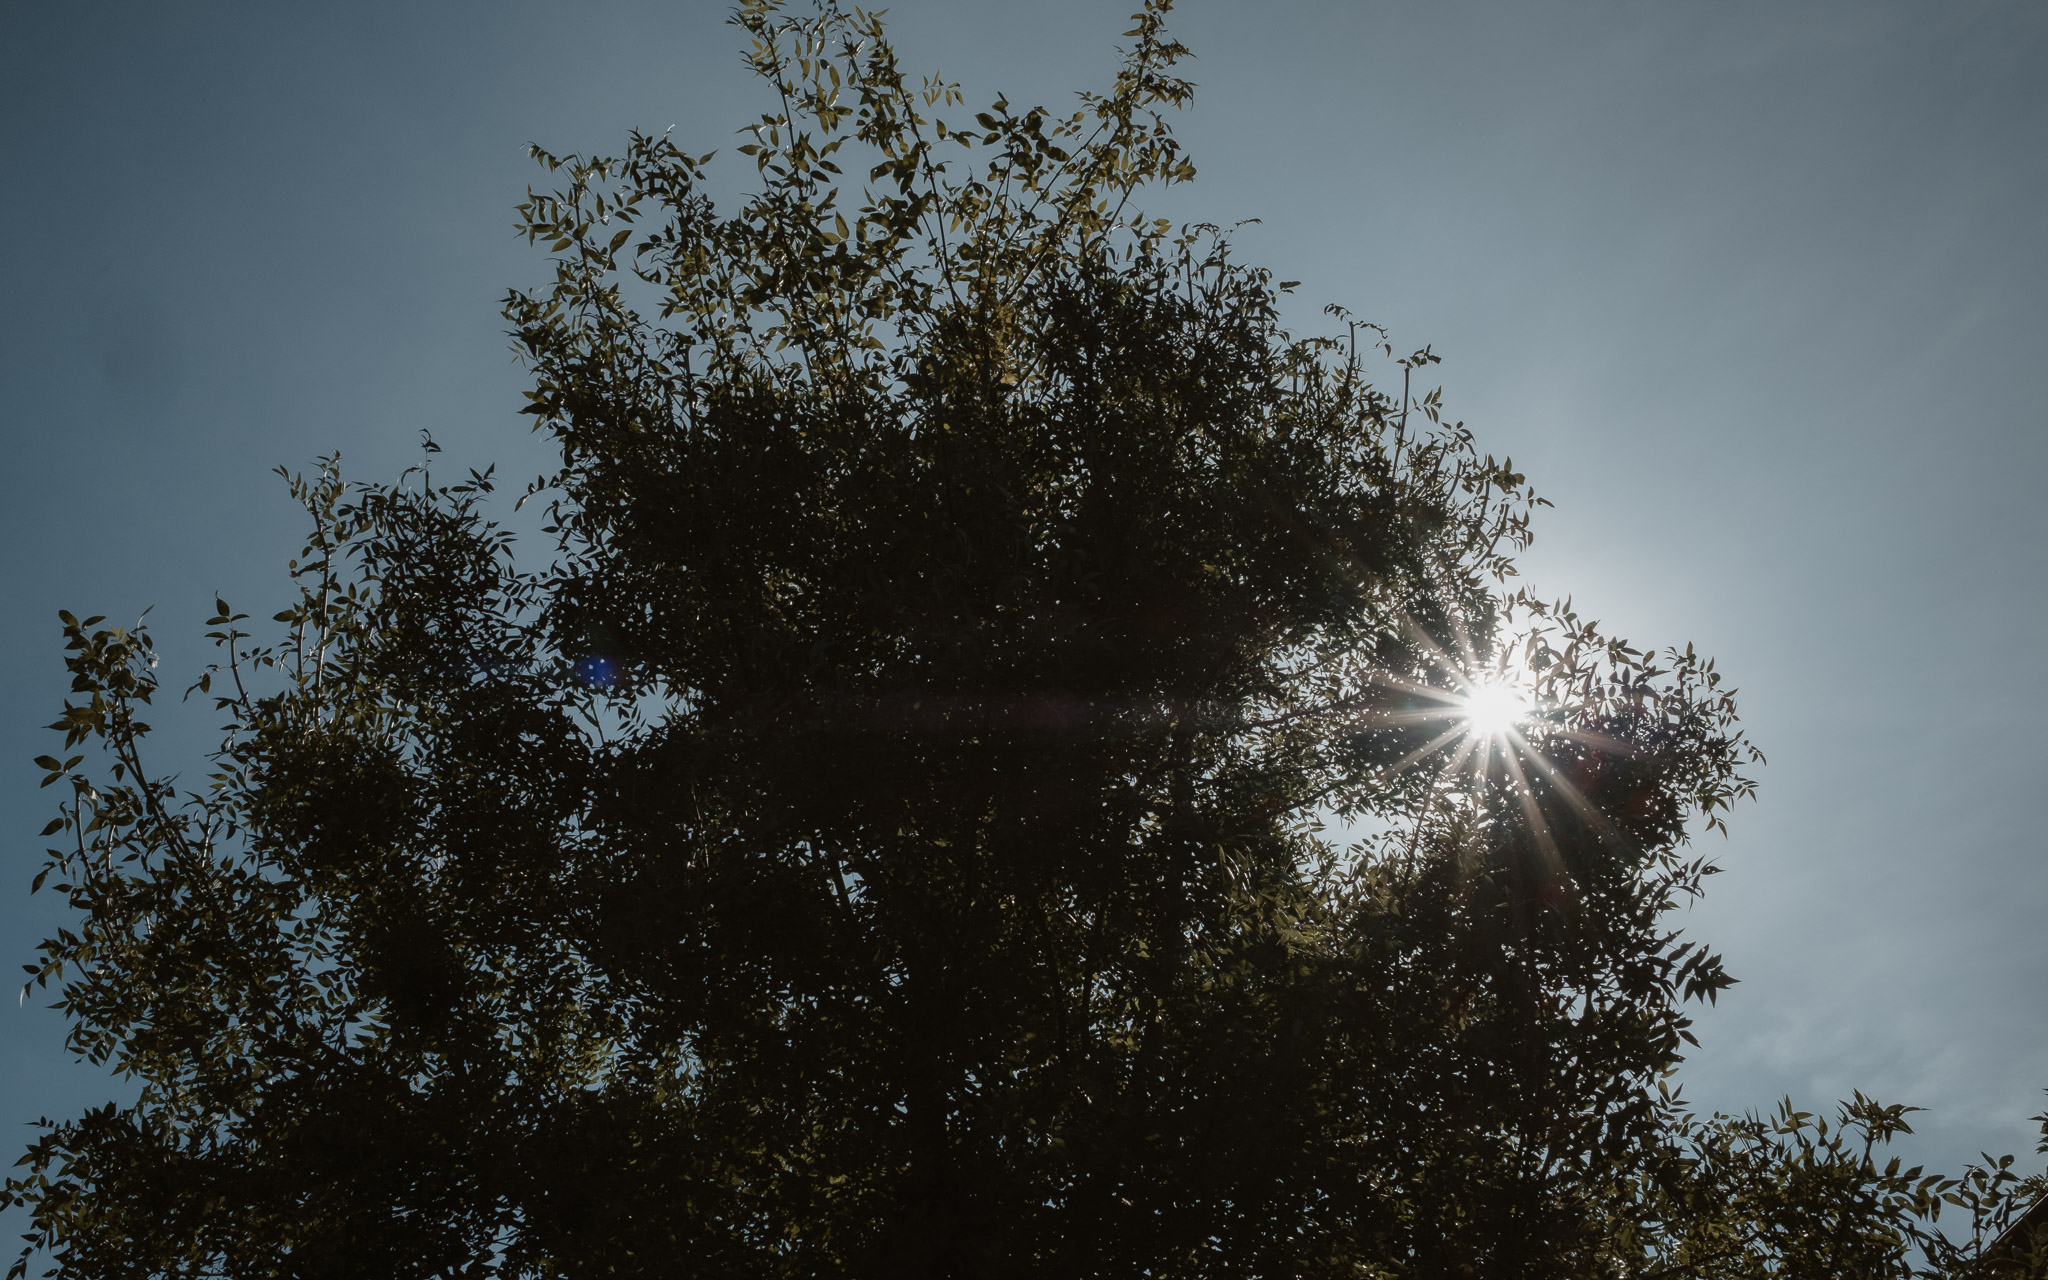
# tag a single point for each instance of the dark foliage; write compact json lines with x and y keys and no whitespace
{"x":888,"y":836}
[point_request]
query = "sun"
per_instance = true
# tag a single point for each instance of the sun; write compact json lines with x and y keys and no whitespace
{"x":1491,"y":710}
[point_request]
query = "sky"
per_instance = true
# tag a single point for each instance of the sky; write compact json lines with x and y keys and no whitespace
{"x":1756,"y":294}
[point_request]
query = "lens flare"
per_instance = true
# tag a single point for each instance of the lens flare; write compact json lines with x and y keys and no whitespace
{"x":1490,"y":710}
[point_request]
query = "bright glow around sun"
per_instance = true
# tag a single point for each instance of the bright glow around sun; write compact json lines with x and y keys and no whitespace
{"x":1490,"y":710}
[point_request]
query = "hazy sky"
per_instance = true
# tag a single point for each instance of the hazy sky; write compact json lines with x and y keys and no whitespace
{"x":1754,"y":293}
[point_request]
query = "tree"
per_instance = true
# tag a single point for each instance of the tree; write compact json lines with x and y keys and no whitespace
{"x":892,"y":834}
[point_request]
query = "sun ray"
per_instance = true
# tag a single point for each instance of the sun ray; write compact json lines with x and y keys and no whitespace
{"x":1539,"y":827}
{"x":1435,"y":651}
{"x":1485,"y":705}
{"x":1452,"y":767}
{"x":1572,"y":795}
{"x":1429,"y":748}
{"x":1598,"y":741}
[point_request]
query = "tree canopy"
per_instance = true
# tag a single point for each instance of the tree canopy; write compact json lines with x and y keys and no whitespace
{"x":995,"y":774}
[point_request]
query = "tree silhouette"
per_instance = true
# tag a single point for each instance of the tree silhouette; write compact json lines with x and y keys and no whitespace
{"x":990,"y":781}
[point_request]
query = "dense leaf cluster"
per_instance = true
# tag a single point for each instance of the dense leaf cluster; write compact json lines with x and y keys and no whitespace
{"x":978,"y":789}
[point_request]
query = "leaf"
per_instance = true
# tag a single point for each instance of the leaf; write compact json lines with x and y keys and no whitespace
{"x":913,"y":760}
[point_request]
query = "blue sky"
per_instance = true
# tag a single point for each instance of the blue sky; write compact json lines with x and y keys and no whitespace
{"x":1757,"y":294}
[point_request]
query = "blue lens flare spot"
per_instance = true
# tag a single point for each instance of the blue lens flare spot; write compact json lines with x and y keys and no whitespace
{"x":597,"y":671}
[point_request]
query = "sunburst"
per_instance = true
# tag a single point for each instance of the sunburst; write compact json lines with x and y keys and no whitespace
{"x":1492,"y":708}
{"x":1489,"y":724}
